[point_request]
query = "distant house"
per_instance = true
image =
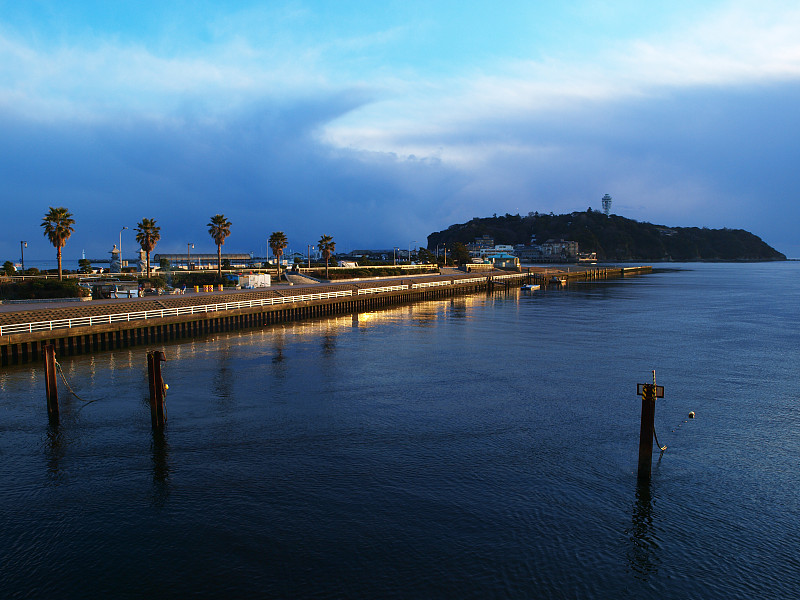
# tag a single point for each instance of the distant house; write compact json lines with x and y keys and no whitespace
{"x":504,"y":261}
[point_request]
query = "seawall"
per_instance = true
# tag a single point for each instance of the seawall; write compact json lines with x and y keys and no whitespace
{"x":98,"y":326}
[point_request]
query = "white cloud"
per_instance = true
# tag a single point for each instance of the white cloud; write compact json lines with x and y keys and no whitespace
{"x":742,"y":45}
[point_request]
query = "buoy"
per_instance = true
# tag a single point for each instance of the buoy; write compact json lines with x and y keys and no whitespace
{"x":166,"y":387}
{"x":691,"y":415}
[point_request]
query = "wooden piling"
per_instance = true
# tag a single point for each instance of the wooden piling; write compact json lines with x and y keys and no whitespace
{"x":158,"y":415}
{"x":646,"y":430}
{"x":50,"y":381}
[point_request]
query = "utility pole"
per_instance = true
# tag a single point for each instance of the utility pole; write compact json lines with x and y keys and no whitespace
{"x":121,"y":262}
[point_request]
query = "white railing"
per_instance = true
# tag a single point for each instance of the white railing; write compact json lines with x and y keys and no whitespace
{"x":427,"y":284}
{"x":386,"y":288}
{"x":509,"y":276}
{"x":164,"y":312}
{"x":469,"y":280}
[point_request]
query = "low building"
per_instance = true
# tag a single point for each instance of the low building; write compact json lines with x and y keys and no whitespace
{"x":529,"y":254}
{"x":504,"y":261}
{"x":202,"y":261}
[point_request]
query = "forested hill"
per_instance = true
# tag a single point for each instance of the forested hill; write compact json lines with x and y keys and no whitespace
{"x":614,"y":237}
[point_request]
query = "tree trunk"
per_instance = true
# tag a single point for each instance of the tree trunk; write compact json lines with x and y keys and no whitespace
{"x":148,"y":265}
{"x":219,"y":261}
{"x":58,"y":256}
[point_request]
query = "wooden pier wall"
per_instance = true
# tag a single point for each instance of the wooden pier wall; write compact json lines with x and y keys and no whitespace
{"x":23,"y":347}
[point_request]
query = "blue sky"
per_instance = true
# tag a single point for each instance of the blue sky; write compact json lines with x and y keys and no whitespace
{"x":381,"y":122}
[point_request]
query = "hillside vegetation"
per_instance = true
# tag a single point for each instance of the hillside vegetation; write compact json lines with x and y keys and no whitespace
{"x":614,"y":237}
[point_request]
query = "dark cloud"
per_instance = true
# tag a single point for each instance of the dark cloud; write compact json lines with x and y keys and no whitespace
{"x":706,"y":157}
{"x":262,"y":167}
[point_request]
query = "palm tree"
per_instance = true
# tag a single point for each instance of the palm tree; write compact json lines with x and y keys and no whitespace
{"x":219,"y":228}
{"x":277,"y":241}
{"x":147,"y":234}
{"x":327,"y":246}
{"x":58,"y":227}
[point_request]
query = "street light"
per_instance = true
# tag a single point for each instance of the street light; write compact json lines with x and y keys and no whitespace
{"x":409,"y":250}
{"x":22,"y":245}
{"x":309,"y":254}
{"x":394,"y":255}
{"x":121,"y":262}
{"x":189,"y":247}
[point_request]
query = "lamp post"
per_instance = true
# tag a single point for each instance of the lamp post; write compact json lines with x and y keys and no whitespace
{"x":409,"y":250}
{"x":121,"y":262}
{"x":189,"y":247}
{"x":22,"y":245}
{"x":394,"y":255}
{"x":309,"y":255}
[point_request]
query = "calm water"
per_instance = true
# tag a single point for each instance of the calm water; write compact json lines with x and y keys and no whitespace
{"x":479,"y":447}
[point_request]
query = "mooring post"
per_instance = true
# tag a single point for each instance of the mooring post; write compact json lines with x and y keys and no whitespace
{"x":646,"y":430}
{"x":649,"y":393}
{"x":50,"y":382}
{"x":157,"y":388}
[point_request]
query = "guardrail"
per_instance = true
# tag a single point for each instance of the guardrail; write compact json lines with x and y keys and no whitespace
{"x":164,"y":312}
{"x":428,"y":284}
{"x":378,"y":290}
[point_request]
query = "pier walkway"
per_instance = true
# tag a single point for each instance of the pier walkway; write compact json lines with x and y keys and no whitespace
{"x":102,"y":324}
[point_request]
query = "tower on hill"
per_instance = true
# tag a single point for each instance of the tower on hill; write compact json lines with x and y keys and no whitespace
{"x":606,"y":200}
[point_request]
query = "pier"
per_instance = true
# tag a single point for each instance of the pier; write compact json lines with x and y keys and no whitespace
{"x":102,"y":325}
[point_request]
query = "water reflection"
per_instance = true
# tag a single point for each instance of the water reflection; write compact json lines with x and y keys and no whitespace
{"x":643,"y":553}
{"x":54,"y":451}
{"x":160,"y":453}
{"x":223,"y":378}
{"x":328,"y":344}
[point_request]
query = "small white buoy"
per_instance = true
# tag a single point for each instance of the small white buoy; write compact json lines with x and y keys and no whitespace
{"x":166,"y":387}
{"x":691,"y":415}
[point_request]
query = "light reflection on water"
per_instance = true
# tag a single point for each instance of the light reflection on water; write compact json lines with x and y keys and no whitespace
{"x":480,"y":446}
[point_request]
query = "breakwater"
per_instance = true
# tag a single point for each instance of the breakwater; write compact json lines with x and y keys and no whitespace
{"x":103,"y":326}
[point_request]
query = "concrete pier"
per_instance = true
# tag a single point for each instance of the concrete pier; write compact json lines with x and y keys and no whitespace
{"x":102,"y":325}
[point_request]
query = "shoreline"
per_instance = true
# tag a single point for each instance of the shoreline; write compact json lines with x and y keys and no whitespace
{"x":84,"y":329}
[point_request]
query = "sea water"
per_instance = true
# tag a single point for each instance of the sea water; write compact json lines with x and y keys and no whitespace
{"x":482,"y":446}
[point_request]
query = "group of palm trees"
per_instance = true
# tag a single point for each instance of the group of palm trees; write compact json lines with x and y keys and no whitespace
{"x":278,"y":242}
{"x":58,"y":227}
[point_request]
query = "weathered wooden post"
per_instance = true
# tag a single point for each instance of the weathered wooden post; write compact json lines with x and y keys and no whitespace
{"x":158,"y":416}
{"x":50,"y":381}
{"x":649,"y":393}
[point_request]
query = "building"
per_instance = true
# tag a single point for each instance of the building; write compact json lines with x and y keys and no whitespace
{"x":529,"y":254}
{"x":504,"y":261}
{"x":560,"y":249}
{"x":202,"y":261}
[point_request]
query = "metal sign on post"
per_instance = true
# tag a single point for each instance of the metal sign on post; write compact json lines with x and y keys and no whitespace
{"x":659,"y":389}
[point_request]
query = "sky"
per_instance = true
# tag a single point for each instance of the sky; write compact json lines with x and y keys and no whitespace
{"x":379,"y":123}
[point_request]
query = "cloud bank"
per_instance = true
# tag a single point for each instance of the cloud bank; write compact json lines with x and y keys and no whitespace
{"x":688,"y":126}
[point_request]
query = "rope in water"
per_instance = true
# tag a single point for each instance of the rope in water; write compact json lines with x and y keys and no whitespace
{"x":66,"y":383}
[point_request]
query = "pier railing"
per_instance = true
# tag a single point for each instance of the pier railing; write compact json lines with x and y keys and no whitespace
{"x":164,"y":312}
{"x":385,"y":288}
{"x":69,"y":323}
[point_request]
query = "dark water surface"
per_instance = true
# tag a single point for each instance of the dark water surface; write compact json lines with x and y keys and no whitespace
{"x":479,"y":447}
